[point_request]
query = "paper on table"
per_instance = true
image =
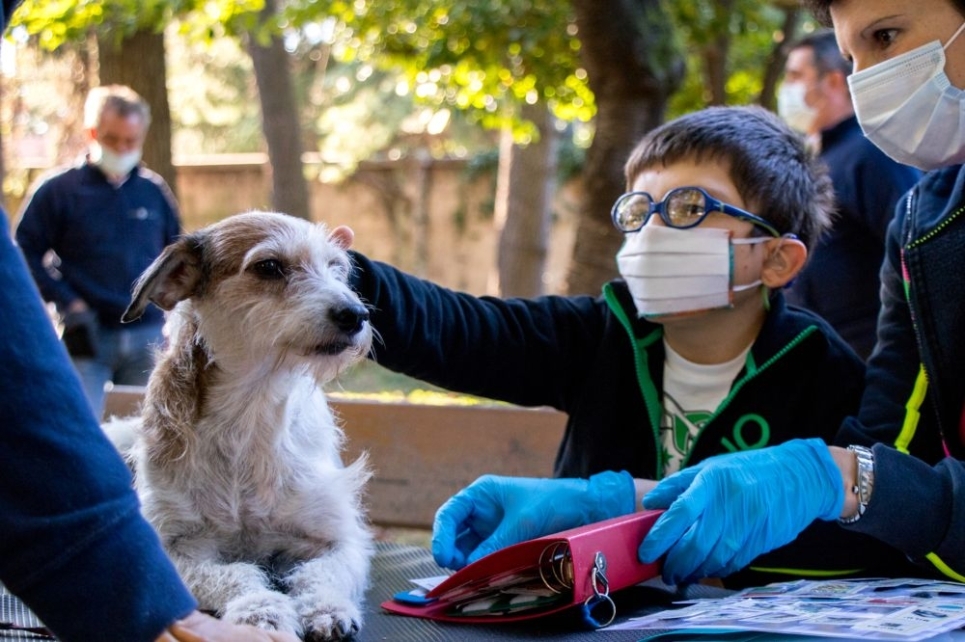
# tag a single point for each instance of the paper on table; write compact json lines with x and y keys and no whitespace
{"x":893,"y":609}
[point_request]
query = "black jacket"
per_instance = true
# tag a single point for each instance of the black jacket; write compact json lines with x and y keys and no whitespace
{"x":595,"y":360}
{"x":915,"y":391}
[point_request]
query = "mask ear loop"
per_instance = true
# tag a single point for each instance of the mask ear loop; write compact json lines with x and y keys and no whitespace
{"x":954,"y":36}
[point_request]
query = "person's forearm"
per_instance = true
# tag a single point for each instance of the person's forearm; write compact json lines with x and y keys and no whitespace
{"x":643,"y":486}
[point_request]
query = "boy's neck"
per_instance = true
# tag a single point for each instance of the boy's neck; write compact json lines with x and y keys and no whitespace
{"x":716,"y":336}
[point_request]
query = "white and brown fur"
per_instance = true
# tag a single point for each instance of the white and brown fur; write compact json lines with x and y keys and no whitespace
{"x":237,"y":452}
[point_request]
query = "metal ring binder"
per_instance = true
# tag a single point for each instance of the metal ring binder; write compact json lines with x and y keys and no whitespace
{"x":556,"y":564}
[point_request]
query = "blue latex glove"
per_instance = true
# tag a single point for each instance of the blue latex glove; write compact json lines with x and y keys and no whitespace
{"x":494,"y":512}
{"x":727,"y":510}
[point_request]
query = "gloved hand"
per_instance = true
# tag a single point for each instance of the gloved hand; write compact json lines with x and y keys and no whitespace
{"x":727,"y":510}
{"x":494,"y":512}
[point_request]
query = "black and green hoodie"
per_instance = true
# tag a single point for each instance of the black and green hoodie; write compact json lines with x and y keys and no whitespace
{"x":592,"y":358}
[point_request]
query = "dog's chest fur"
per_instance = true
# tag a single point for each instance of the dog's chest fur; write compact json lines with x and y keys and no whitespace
{"x":256,"y":470}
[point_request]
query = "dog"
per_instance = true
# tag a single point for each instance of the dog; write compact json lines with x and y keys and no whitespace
{"x":237,"y":454}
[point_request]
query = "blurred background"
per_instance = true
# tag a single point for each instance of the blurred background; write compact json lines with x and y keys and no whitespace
{"x":479,"y":145}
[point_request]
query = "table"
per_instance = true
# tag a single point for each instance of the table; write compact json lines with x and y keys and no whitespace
{"x":392,"y":568}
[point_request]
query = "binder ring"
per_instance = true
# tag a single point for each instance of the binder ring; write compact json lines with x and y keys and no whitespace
{"x":554,"y":568}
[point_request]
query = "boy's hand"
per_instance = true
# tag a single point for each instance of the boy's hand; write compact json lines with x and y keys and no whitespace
{"x":494,"y":512}
{"x":727,"y":510}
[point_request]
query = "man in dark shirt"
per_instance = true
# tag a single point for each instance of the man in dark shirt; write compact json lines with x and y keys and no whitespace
{"x":88,"y":232}
{"x":841,"y":280}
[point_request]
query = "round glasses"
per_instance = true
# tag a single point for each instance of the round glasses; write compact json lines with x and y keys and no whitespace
{"x":682,"y":207}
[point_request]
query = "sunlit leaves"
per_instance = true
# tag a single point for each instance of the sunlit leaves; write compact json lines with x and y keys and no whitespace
{"x":483,"y":57}
{"x":54,"y":22}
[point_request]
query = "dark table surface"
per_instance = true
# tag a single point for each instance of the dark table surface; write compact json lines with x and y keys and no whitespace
{"x":392,"y":568}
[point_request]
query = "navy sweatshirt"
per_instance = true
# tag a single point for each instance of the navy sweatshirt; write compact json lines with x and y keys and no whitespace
{"x":73,"y":544}
{"x":104,"y":235}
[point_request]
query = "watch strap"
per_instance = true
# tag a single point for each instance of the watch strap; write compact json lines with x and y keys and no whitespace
{"x":864,"y":482}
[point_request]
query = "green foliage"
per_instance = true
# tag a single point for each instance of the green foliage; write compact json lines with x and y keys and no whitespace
{"x":213,"y":98}
{"x":397,"y":65}
{"x":54,"y":22}
{"x":481,"y":58}
{"x":754,"y":29}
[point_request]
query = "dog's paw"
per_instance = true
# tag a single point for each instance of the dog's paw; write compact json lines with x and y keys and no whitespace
{"x":267,"y":610}
{"x":334,"y":621}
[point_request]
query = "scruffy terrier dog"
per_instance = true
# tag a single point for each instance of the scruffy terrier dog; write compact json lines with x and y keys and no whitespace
{"x":237,"y":453}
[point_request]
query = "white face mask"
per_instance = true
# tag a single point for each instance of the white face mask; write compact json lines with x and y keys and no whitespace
{"x":112,"y":163}
{"x":670,"y":271}
{"x":908,"y":108}
{"x":792,"y":107}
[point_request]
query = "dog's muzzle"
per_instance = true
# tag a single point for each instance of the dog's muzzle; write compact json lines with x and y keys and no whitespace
{"x":349,"y":319}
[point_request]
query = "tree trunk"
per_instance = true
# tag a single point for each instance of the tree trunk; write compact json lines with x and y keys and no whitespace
{"x":632,"y":68}
{"x":716,"y":53}
{"x":525,"y":182}
{"x":280,"y":121}
{"x":138,"y":62}
{"x":774,"y":67}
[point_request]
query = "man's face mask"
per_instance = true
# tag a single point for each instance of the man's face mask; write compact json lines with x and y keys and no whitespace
{"x":793,"y":108}
{"x":909,"y":109}
{"x":112,"y":163}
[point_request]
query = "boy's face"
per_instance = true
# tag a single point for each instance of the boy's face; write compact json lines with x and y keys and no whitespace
{"x":873,"y":31}
{"x":714,"y":177}
{"x":711,"y":176}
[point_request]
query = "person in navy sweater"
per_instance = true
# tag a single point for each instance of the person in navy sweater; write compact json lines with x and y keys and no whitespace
{"x":840,"y":281}
{"x":89,"y":231}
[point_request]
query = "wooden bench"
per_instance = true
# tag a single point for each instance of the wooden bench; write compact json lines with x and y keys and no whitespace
{"x":422,"y":454}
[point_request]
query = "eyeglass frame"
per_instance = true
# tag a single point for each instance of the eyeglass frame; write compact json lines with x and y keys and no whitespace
{"x":711,"y":204}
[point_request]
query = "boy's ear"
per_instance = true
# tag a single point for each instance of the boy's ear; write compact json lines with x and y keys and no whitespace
{"x":786,"y":256}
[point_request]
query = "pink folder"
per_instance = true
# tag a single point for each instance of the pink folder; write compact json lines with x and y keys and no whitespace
{"x":576,"y":567}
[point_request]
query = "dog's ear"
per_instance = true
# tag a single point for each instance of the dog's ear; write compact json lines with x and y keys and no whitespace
{"x":174,"y":276}
{"x":342,"y":236}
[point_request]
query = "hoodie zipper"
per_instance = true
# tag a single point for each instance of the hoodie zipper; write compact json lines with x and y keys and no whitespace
{"x":648,"y":390}
{"x":906,"y":279}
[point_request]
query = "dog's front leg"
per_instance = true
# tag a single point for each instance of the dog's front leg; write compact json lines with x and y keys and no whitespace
{"x":239,"y":592}
{"x":328,"y":591}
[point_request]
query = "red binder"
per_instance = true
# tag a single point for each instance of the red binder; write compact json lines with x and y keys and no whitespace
{"x":576,"y":567}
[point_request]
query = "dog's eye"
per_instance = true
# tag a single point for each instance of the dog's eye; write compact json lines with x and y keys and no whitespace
{"x":268,"y":269}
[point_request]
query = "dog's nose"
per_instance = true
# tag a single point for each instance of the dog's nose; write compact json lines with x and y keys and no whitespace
{"x":349,"y":319}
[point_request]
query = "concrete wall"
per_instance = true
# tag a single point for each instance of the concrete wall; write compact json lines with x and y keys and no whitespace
{"x":428,"y":217}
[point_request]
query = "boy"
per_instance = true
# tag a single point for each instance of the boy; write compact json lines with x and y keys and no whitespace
{"x":692,"y":353}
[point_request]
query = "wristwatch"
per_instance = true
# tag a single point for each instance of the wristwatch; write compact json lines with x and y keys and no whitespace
{"x":865,"y":482}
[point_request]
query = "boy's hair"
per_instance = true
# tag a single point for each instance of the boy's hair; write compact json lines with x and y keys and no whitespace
{"x":826,"y":56}
{"x":120,"y":99}
{"x":778,"y":178}
{"x":821,"y":9}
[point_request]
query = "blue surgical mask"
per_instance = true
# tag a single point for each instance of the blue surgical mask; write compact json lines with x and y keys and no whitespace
{"x":794,"y":109}
{"x":909,"y":109}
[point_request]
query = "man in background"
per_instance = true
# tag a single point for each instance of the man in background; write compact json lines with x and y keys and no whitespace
{"x":88,"y":231}
{"x":841,"y":281}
